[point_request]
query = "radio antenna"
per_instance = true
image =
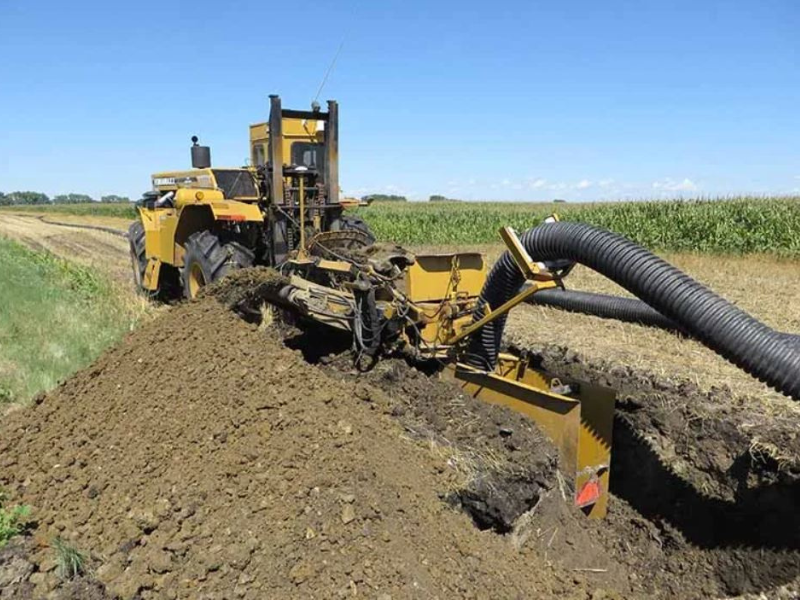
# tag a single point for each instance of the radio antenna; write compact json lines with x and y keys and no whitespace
{"x":330,"y":68}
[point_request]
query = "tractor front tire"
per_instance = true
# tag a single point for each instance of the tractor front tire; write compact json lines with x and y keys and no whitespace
{"x":138,"y":256}
{"x":207,"y":260}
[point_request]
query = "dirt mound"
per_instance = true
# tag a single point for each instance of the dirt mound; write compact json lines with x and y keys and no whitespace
{"x":207,"y":458}
{"x":244,"y":290}
{"x":201,"y":457}
{"x":695,"y":505}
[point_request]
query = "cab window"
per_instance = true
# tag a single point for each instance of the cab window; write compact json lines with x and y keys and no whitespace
{"x":259,"y":155}
{"x":309,"y":155}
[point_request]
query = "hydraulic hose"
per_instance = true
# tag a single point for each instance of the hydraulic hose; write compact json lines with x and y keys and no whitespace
{"x":749,"y":344}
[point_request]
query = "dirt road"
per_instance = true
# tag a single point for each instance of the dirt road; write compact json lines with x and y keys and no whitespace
{"x":98,"y":249}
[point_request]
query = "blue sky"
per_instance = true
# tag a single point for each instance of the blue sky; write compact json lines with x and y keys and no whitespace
{"x":581,"y":100}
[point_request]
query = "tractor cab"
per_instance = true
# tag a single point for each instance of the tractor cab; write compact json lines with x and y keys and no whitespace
{"x":303,"y":138}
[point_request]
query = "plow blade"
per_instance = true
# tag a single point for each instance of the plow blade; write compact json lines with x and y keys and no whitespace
{"x":577,"y":417}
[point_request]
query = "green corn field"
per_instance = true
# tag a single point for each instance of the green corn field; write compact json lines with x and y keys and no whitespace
{"x":727,"y":226}
{"x":732,"y":225}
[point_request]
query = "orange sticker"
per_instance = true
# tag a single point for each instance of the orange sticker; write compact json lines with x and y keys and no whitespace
{"x":589,"y":493}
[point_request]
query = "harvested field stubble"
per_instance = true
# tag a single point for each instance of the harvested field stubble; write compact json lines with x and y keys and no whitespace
{"x":204,"y":456}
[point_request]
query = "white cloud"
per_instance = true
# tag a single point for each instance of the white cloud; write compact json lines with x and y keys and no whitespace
{"x":604,"y":183}
{"x":670,"y":185}
{"x":583,"y":184}
{"x":380,"y":189}
{"x":539,"y":183}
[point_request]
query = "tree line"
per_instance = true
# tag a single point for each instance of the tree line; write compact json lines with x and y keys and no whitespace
{"x":36,"y":198}
{"x":395,"y":198}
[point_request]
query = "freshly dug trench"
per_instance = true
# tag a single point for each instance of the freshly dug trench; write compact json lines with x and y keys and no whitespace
{"x":686,"y":461}
{"x":689,"y":555}
{"x":695,"y":537}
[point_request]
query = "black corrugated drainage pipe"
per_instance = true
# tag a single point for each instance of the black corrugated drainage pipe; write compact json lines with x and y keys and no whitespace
{"x":749,"y":344}
{"x":619,"y":308}
{"x":630,"y":310}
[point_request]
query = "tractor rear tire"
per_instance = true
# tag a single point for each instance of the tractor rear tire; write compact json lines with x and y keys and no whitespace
{"x":207,"y":260}
{"x":352,"y":223}
{"x":138,"y":256}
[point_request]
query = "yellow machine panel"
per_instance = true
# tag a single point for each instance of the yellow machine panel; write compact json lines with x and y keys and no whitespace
{"x":436,"y":277}
{"x":230,"y":210}
{"x":159,"y":230}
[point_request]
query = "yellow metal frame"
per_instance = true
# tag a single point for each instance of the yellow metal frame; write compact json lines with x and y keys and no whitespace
{"x":531,"y":271}
{"x":491,"y":315}
{"x":231,"y":210}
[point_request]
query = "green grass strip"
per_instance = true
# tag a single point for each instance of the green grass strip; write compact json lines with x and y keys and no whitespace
{"x":55,"y":318}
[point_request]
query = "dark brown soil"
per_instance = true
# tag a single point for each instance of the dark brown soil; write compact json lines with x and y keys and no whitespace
{"x":244,"y":290}
{"x":693,"y":505}
{"x":22,"y":579}
{"x":202,"y":457}
{"x":205,"y":458}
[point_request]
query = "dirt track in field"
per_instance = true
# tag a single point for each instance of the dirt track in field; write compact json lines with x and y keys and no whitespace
{"x":97,"y":249}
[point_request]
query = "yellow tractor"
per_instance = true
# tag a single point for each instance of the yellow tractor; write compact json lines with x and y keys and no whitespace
{"x":197,"y":225}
